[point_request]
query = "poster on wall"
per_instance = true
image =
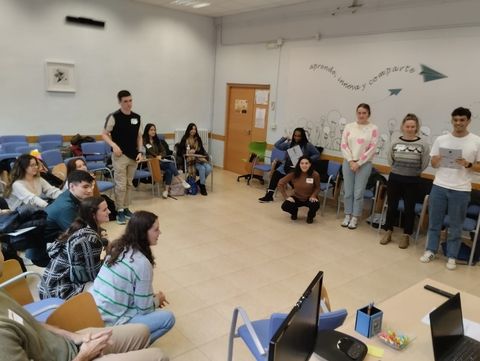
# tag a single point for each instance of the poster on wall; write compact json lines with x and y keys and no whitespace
{"x":60,"y":76}
{"x":261,"y":97}
{"x":241,"y":106}
{"x":260,"y":118}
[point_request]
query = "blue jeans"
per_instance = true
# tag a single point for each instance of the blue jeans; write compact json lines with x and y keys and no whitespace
{"x":204,"y":169}
{"x":444,"y":201}
{"x":354,"y":187}
{"x":170,"y":170}
{"x":159,"y":322}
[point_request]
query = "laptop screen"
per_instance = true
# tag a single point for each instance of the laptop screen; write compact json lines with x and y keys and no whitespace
{"x":295,"y":338}
{"x":446,"y":324}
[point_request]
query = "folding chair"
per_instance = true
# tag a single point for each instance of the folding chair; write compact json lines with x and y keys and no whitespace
{"x":13,"y":281}
{"x":257,"y":334}
{"x":332,"y":172}
{"x":67,"y":316}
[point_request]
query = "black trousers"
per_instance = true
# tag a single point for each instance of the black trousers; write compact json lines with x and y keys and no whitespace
{"x":397,"y":190}
{"x":292,"y":207}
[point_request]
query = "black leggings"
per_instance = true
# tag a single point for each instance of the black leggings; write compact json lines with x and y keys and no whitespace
{"x":397,"y":190}
{"x":292,"y":207}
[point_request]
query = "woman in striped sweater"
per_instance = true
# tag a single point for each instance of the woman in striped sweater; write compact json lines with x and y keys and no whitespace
{"x":123,"y":288}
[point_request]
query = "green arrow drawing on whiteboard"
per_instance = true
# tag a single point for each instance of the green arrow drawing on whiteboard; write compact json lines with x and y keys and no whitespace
{"x":429,"y":74}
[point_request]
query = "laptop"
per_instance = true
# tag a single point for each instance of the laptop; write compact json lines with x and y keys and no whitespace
{"x":448,"y":338}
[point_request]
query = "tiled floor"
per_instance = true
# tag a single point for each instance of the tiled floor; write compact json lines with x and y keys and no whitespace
{"x":227,"y":249}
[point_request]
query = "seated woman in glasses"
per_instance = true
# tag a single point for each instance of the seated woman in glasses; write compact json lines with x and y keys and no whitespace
{"x":26,"y":186}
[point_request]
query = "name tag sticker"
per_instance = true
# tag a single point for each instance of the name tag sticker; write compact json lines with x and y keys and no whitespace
{"x":310,"y":180}
{"x":134,"y":121}
{"x":14,"y":317}
{"x":148,"y":146}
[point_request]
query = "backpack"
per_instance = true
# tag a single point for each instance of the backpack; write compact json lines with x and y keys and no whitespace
{"x":193,"y":190}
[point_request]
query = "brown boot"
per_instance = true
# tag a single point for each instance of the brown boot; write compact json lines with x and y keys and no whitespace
{"x":404,"y":241}
{"x":387,"y":238}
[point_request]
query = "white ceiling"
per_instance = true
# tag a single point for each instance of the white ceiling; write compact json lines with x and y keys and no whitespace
{"x":220,"y":8}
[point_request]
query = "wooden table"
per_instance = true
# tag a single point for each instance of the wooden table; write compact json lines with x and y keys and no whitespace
{"x":405,"y":311}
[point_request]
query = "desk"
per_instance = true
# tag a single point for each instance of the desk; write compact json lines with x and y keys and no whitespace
{"x":404,"y":312}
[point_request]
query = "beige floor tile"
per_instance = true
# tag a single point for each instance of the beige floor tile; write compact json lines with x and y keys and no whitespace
{"x":174,"y":343}
{"x":202,"y":326}
{"x":182,"y":302}
{"x":217,"y":350}
{"x":190,"y":274}
{"x":193,"y":355}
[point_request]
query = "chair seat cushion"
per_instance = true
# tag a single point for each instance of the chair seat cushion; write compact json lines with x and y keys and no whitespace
{"x":104,"y":185}
{"x":469,"y":224}
{"x":401,"y":207}
{"x":139,"y":174}
{"x":261,"y":328}
{"x":263,"y":167}
{"x":46,"y":305}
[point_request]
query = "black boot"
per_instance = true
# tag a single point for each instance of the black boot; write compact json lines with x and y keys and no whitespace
{"x":293,"y":216}
{"x":203,"y":190}
{"x":268,"y":197}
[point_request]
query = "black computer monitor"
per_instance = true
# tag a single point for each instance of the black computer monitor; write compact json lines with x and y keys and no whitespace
{"x":295,"y":338}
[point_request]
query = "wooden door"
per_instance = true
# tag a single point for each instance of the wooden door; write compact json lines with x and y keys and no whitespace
{"x":247,"y":121}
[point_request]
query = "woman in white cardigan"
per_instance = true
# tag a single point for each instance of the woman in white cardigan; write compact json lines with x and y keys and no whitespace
{"x":26,"y":186}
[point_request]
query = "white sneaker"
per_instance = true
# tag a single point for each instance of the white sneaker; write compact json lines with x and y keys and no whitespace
{"x":427,"y":257}
{"x":451,"y":264}
{"x":346,"y":221}
{"x":185,"y":185}
{"x":165,"y":194}
{"x":353,"y":223}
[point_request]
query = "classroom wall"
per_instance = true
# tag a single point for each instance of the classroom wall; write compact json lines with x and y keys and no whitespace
{"x":320,"y":83}
{"x":165,"y":58}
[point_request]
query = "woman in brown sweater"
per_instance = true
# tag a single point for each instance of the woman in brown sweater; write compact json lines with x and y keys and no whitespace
{"x":306,"y":185}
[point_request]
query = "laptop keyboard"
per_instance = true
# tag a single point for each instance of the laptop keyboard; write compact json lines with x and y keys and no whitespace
{"x":468,"y":350}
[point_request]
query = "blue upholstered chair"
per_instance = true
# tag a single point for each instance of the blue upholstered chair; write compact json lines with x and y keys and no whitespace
{"x":52,"y":157}
{"x":332,"y":172}
{"x":257,"y":334}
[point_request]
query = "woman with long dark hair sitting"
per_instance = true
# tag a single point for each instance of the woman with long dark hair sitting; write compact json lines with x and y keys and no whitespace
{"x":299,"y":137}
{"x":191,"y":144}
{"x":123,"y":288}
{"x":306,"y":185}
{"x":26,"y":186}
{"x":154,"y":148}
{"x":75,"y":256}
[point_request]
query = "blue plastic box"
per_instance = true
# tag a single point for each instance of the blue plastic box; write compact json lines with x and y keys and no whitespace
{"x":368,"y":323}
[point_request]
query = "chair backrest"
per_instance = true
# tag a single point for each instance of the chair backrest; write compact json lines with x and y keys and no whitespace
{"x":52,"y":157}
{"x":94,"y":151}
{"x":76,"y":313}
{"x":13,"y":138}
{"x":57,"y":138}
{"x":47,"y":145}
{"x":258,"y":148}
{"x":332,"y":320}
{"x":11,"y":147}
{"x":26,"y":149}
{"x":18,"y":290}
{"x":278,"y":155}
{"x":155,"y":170}
{"x":333,"y":168}
{"x":60,"y":171}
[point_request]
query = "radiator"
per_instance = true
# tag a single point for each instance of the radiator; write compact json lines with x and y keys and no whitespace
{"x":203,"y":133}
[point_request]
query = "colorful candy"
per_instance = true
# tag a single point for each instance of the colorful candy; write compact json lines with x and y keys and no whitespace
{"x":393,"y":339}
